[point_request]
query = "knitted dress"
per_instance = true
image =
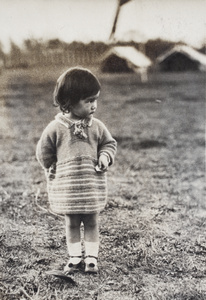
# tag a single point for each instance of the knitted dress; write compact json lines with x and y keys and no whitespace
{"x":68,"y":152}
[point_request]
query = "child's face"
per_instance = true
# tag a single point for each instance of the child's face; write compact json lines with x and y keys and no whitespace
{"x":85,"y":108}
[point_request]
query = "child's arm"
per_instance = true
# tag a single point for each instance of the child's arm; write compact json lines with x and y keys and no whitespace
{"x":46,"y":148}
{"x":104,"y":161}
{"x":107,"y":149}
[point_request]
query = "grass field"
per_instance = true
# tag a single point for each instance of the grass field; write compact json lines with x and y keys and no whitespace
{"x":153,"y":243}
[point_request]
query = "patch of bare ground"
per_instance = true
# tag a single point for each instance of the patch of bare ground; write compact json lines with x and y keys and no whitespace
{"x":153,"y":243}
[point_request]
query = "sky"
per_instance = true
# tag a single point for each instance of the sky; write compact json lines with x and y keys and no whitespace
{"x":92,"y":20}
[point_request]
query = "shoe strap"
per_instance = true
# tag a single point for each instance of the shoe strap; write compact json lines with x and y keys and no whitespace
{"x":75,"y":257}
{"x":91,"y":256}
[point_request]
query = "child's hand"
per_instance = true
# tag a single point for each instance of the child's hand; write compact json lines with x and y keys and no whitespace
{"x":103,"y":162}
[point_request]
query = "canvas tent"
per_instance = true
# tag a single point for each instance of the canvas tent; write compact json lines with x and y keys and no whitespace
{"x":182,"y":58}
{"x":124,"y":59}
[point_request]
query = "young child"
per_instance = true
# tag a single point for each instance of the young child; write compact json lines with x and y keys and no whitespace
{"x":75,"y":150}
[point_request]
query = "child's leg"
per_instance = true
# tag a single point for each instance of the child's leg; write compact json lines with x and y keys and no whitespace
{"x":91,"y":227}
{"x":91,"y":241}
{"x":73,"y":223}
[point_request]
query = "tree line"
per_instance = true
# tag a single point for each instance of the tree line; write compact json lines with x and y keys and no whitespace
{"x":36,"y":52}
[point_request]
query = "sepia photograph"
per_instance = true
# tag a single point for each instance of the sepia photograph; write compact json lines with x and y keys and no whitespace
{"x":102,"y":150}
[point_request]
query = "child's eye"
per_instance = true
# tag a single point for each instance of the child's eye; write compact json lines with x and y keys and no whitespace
{"x":91,"y":100}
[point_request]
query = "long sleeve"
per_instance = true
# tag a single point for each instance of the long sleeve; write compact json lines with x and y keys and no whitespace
{"x":46,"y":147}
{"x":107,"y":144}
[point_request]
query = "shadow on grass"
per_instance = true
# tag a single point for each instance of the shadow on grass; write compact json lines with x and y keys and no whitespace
{"x":128,"y":142}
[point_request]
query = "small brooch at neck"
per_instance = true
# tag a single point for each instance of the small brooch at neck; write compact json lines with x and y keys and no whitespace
{"x":79,"y":126}
{"x":79,"y":129}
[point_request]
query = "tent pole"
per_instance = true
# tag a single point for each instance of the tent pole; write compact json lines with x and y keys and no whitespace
{"x":115,"y":22}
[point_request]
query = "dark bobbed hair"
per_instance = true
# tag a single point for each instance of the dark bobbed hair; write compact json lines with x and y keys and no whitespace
{"x":74,"y":85}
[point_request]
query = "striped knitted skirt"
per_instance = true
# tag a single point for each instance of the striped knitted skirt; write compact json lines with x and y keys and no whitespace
{"x":74,"y":187}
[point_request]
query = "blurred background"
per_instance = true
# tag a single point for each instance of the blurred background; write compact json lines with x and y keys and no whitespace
{"x":70,"y":32}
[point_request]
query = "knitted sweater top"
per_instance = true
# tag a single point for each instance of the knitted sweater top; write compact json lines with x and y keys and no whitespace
{"x":68,"y":152}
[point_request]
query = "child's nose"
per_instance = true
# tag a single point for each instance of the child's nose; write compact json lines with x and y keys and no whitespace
{"x":94,"y":105}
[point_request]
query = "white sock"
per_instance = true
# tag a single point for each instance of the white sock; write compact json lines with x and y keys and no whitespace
{"x":75,"y":249}
{"x":91,"y":249}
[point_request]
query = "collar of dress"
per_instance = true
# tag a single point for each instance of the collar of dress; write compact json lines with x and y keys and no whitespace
{"x":78,"y":125}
